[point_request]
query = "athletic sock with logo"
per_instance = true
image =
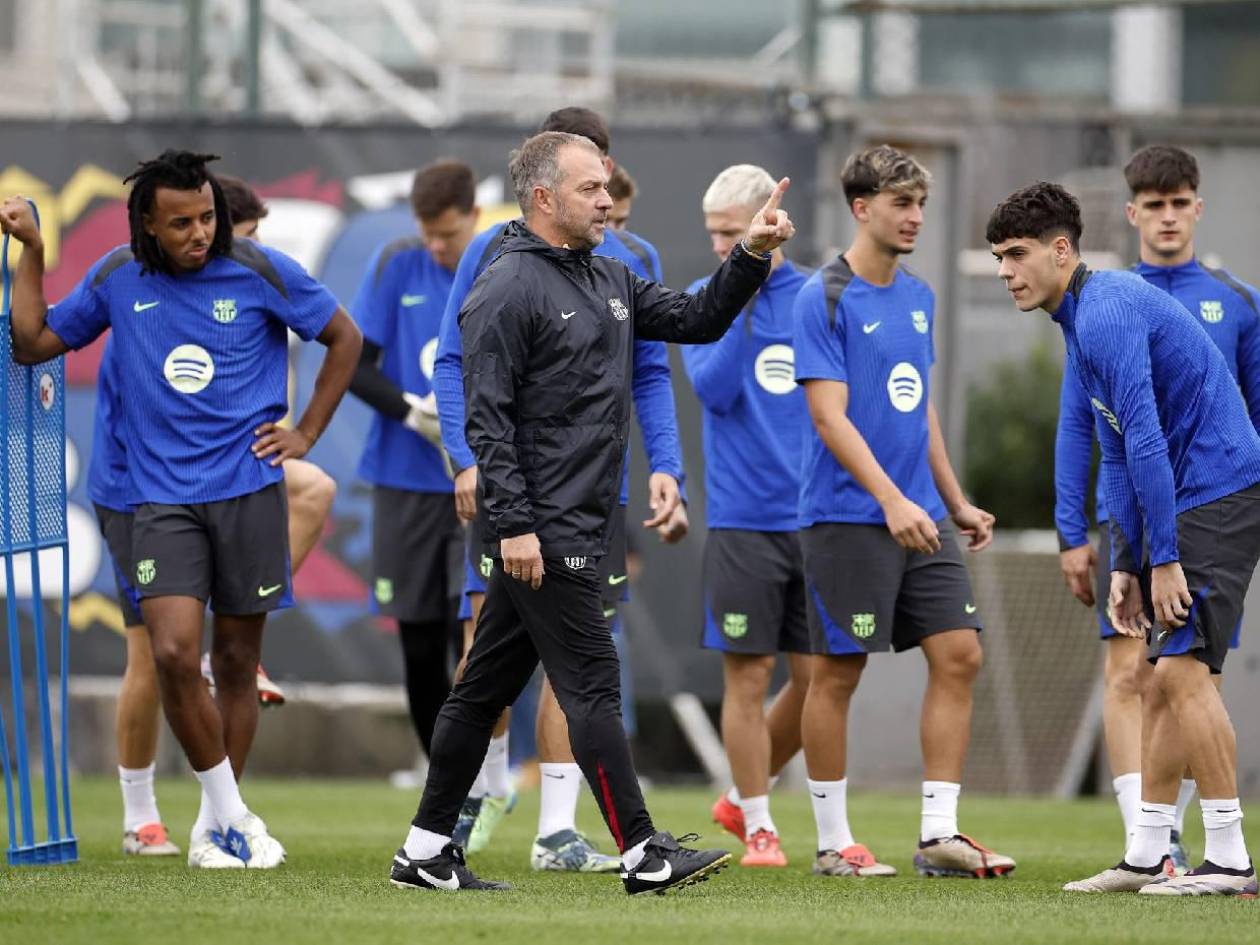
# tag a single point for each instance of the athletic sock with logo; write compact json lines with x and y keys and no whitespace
{"x":1128,"y":788}
{"x":1222,"y":827}
{"x":1152,"y":830}
{"x":495,"y":767}
{"x":831,"y":813}
{"x":220,"y":786}
{"x":560,"y":784}
{"x":1184,"y":797}
{"x":139,"y":802}
{"x":424,"y":844}
{"x":939,"y":818}
{"x":756,"y":815}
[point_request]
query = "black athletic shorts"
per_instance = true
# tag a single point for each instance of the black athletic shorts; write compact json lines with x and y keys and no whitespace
{"x":417,"y":555}
{"x":1219,"y":545}
{"x":116,"y":529}
{"x":754,"y":593}
{"x":865,"y":593}
{"x":233,"y":553}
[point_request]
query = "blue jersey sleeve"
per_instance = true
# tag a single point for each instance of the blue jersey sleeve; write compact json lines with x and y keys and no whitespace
{"x":81,"y":316}
{"x":1249,"y":356}
{"x":653,"y":392}
{"x":1073,"y":445}
{"x":818,"y":336}
{"x":715,"y":369}
{"x":375,"y":307}
{"x":306,"y":305}
{"x":448,"y":366}
{"x":1121,"y":357}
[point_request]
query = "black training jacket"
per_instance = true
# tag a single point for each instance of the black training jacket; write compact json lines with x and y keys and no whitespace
{"x":547,"y":368}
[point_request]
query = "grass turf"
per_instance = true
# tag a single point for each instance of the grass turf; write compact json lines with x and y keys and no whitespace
{"x":340,"y":837}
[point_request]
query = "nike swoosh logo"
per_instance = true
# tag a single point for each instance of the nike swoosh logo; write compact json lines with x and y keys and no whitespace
{"x":138,"y":307}
{"x":818,"y":795}
{"x":618,"y":578}
{"x":451,"y":882}
{"x":969,"y":608}
{"x":558,"y":777}
{"x":929,"y":795}
{"x":567,"y":315}
{"x":409,"y":300}
{"x":266,"y":591}
{"x":871,"y":327}
{"x":664,"y":873}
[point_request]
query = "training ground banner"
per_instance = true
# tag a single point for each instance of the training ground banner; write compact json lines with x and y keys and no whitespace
{"x":335,"y":196}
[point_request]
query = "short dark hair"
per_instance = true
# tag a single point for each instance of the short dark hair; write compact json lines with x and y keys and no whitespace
{"x":1163,"y":169}
{"x":621,"y":185}
{"x":441,"y":185}
{"x":576,"y":120}
{"x":177,"y":170}
{"x":1040,"y":210}
{"x":874,"y":170}
{"x":242,"y":200}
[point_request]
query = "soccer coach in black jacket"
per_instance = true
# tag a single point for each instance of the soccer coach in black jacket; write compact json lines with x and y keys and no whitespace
{"x":547,"y":332}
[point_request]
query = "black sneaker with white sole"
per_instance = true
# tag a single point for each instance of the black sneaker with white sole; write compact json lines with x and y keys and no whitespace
{"x":444,"y":871}
{"x":668,"y":865}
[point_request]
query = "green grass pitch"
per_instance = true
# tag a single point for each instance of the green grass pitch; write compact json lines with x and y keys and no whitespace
{"x":340,"y":837}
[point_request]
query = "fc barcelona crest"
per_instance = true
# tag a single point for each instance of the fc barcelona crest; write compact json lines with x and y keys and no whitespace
{"x":1212,"y":312}
{"x":735,"y":625}
{"x":618,"y":309}
{"x":863,"y":625}
{"x":224,"y":310}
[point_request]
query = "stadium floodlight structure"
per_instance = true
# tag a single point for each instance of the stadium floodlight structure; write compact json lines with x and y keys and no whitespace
{"x":32,"y":523}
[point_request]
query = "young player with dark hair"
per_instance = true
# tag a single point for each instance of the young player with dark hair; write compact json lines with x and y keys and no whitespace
{"x":883,"y":567}
{"x":1181,"y":468}
{"x":1164,"y":208}
{"x":754,"y":592}
{"x":623,"y":189}
{"x":417,"y":542}
{"x":558,"y":844}
{"x":200,"y":326}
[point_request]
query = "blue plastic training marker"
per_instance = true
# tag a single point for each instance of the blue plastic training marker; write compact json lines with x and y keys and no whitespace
{"x":32,"y":520}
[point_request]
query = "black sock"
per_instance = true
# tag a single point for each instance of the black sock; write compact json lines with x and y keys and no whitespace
{"x":425,"y":672}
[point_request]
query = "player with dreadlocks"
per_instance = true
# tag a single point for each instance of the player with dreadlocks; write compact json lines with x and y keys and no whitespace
{"x":200,"y":324}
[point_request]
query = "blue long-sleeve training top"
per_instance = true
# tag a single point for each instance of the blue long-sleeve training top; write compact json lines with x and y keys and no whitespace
{"x":1228,"y":309}
{"x":754,"y":411}
{"x":1174,"y":432}
{"x":651,"y":387}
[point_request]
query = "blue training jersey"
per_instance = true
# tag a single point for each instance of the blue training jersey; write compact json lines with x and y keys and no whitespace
{"x":107,"y":481}
{"x":754,"y":413}
{"x":651,"y":386}
{"x":1174,"y":432}
{"x":202,"y":361}
{"x":878,"y":340}
{"x":399,"y":307}
{"x":1230,"y":312}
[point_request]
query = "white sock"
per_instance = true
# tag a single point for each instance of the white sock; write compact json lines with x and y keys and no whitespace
{"x":206,"y":821}
{"x":1222,"y":825}
{"x":1184,"y":797}
{"x":756,"y":815}
{"x":940,"y":810}
{"x":732,"y":793}
{"x":495,"y":768}
{"x":1128,"y":788}
{"x":633,"y":856}
{"x":139,"y":803}
{"x":478,"y":788}
{"x":831,"y":813}
{"x":424,"y":844}
{"x":560,"y":785}
{"x":1152,"y":830}
{"x":225,"y":797}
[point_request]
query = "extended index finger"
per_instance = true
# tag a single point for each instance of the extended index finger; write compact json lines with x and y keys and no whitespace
{"x":779,"y":190}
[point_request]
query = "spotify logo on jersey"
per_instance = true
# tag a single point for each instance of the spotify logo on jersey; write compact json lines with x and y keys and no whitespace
{"x":189,"y":368}
{"x":905,"y":387}
{"x":775,"y":369}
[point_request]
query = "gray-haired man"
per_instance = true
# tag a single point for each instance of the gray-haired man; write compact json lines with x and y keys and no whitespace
{"x":547,"y":332}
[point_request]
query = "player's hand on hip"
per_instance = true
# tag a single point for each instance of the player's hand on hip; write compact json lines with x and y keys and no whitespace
{"x":912,"y":527}
{"x":1124,"y":606}
{"x":976,"y":524}
{"x":1170,"y":596}
{"x":1077,"y":565}
{"x":466,"y":494}
{"x":663,"y":498}
{"x":675,"y":530}
{"x":522,"y":559}
{"x":278,"y":443}
{"x":771,"y":227}
{"x":18,"y":220}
